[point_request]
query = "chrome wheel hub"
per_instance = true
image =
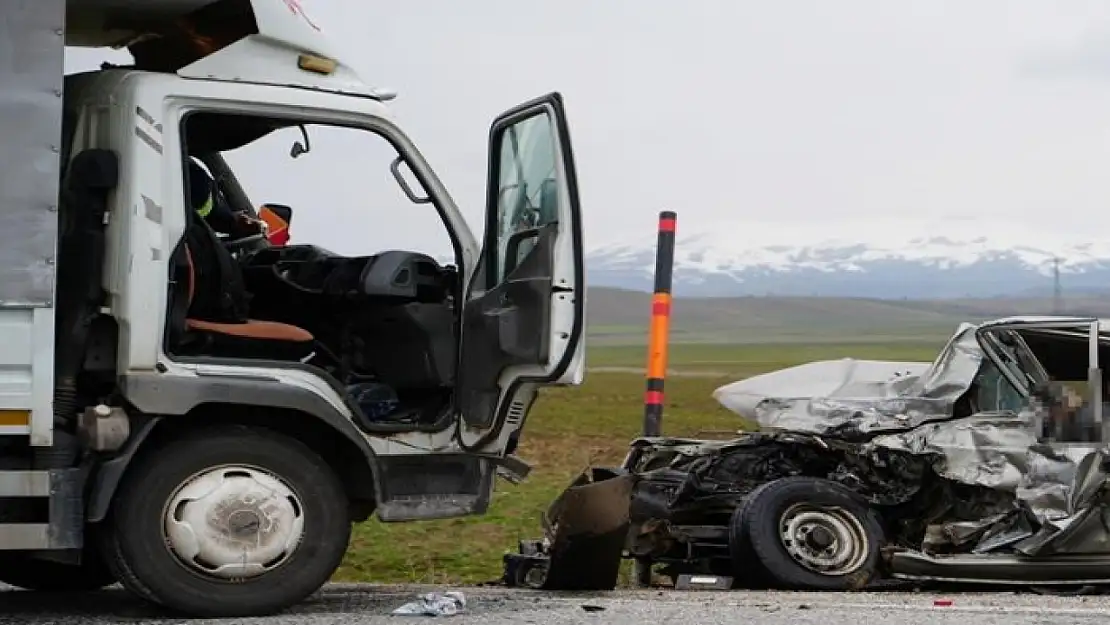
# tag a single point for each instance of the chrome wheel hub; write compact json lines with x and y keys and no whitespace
{"x":829,"y":541}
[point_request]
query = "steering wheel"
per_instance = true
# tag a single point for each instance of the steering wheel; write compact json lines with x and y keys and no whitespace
{"x":238,"y":245}
{"x":280,"y":270}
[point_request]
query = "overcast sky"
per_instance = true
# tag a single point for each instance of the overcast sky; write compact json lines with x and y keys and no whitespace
{"x":727,"y":111}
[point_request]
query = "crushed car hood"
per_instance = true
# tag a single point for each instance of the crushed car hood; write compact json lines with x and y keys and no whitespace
{"x":858,"y":397}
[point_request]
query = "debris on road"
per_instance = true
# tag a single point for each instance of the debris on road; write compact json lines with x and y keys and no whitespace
{"x":434,"y":604}
{"x":702,"y":582}
{"x":584,"y":534}
{"x":977,"y":467}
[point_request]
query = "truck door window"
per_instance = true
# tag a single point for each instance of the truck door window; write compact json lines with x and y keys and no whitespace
{"x":527,"y":193}
{"x":342,"y":191}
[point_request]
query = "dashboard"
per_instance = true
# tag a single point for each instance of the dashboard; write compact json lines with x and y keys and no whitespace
{"x":395,"y":274}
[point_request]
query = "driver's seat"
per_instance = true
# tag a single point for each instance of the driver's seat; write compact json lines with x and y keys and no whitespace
{"x":246,"y":338}
{"x":212,"y":312}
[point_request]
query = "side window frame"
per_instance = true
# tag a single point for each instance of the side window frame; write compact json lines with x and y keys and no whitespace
{"x":406,"y":150}
{"x":992,"y":351}
{"x":999,"y":378}
{"x":503,"y":253}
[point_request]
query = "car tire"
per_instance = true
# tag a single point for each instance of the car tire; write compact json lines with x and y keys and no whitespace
{"x":811,"y":534}
{"x":747,"y":571}
{"x":22,"y":571}
{"x":188,"y":518}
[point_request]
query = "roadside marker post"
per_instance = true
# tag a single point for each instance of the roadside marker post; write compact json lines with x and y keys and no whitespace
{"x":660,"y":325}
{"x":656,"y":372}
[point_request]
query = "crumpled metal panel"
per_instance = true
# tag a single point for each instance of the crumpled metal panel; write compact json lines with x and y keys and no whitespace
{"x":858,"y":397}
{"x":1054,"y":488}
{"x":1000,"y":488}
{"x":987,"y":449}
{"x":1000,"y":451}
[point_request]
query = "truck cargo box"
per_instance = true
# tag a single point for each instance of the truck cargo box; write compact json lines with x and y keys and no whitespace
{"x":31,"y":61}
{"x":31,"y":72}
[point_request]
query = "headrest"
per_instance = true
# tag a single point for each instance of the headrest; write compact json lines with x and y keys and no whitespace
{"x":200,"y":185}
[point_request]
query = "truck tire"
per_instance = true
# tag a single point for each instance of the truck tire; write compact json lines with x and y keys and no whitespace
{"x":228,"y":522}
{"x":21,"y":570}
{"x":811,"y":534}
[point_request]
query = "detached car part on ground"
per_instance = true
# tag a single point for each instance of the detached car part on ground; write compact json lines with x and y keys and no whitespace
{"x":972,"y":469}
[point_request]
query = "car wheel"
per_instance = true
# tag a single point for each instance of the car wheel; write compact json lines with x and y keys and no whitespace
{"x":812,"y":534}
{"x":21,"y":570}
{"x":747,"y":571}
{"x":228,"y":522}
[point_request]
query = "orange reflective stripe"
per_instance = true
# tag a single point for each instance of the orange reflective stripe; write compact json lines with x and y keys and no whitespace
{"x":657,"y":335}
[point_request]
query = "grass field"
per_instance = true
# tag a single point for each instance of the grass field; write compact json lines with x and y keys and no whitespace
{"x":568,"y":430}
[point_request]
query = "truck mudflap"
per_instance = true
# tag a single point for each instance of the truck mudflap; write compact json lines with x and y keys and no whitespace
{"x":585,"y":532}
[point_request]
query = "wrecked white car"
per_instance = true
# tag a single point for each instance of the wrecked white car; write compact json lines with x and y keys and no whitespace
{"x":980,"y":467}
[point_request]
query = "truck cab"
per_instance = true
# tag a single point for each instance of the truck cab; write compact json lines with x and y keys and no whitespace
{"x":202,"y":414}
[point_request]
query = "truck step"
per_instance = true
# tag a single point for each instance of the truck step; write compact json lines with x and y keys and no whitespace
{"x":63,"y":522}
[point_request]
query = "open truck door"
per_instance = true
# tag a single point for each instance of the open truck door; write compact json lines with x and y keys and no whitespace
{"x":523,"y":320}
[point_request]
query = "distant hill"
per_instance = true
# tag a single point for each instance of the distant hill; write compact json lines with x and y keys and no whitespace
{"x":940,"y":258}
{"x":620,"y":316}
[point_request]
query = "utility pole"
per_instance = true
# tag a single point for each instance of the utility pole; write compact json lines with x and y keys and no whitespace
{"x":1057,"y":292}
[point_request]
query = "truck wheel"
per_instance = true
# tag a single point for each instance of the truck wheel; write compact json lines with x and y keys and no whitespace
{"x":228,"y":522}
{"x":812,"y":534}
{"x":23,"y":571}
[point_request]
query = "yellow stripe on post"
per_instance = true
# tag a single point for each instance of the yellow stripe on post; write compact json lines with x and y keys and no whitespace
{"x":10,"y":418}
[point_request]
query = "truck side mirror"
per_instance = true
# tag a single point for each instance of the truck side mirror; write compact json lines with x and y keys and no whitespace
{"x":300,"y":148}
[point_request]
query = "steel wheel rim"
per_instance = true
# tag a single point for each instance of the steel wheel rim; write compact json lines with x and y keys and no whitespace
{"x":233,"y":523}
{"x":829,"y":541}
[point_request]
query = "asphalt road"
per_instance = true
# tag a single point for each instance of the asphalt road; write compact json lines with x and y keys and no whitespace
{"x":369,"y":605}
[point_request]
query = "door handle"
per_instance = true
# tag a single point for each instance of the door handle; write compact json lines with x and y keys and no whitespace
{"x":561,"y":289}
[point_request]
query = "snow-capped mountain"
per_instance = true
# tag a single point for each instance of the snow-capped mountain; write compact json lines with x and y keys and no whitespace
{"x":893,"y":259}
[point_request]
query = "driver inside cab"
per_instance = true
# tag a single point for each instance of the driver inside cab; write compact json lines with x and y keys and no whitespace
{"x":219,"y":294}
{"x":214,"y":211}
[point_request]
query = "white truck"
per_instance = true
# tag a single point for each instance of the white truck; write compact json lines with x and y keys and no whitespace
{"x":208,"y":452}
